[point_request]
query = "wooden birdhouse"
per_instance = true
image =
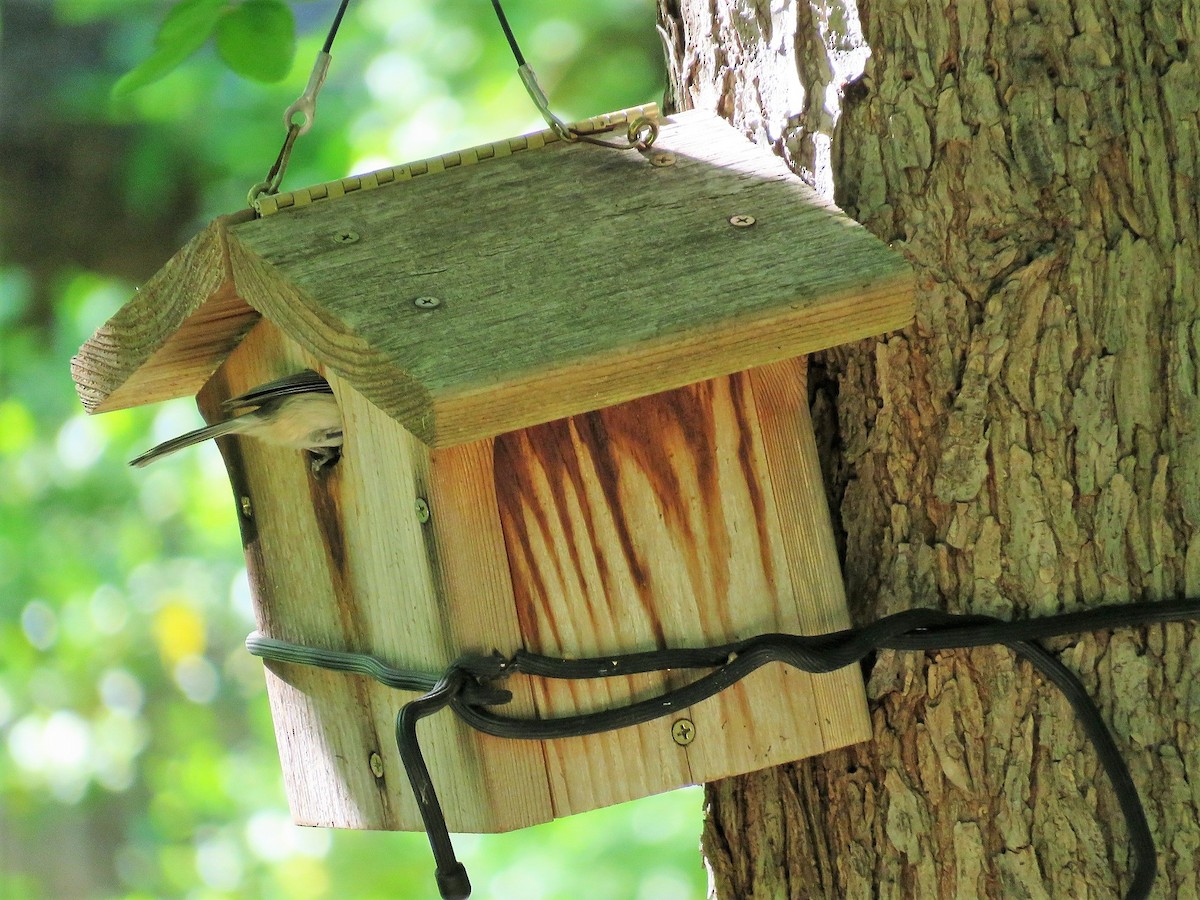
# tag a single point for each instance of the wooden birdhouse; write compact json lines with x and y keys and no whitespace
{"x":575,"y":416}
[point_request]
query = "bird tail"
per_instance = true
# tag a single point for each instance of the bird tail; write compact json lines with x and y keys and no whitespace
{"x":186,"y":440}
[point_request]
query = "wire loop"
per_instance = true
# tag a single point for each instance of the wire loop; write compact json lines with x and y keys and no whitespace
{"x":299,"y":116}
{"x":640,"y":135}
{"x":276,"y":173}
{"x":306,"y":104}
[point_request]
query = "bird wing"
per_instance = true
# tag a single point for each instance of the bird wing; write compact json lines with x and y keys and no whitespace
{"x":306,"y":382}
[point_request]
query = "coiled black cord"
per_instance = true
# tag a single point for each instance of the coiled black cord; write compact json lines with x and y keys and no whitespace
{"x":467,"y":687}
{"x":918,"y":629}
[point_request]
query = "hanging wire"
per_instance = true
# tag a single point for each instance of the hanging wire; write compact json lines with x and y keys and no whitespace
{"x":529,"y":78}
{"x":333,"y":29}
{"x":298,"y":117}
{"x":508,"y":33}
{"x":639,"y":136}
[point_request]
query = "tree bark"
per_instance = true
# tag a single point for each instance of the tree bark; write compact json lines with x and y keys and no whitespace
{"x":1031,"y":444}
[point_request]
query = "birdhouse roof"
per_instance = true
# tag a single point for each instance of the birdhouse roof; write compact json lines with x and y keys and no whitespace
{"x":500,"y":287}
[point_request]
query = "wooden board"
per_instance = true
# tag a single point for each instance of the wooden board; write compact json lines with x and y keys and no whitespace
{"x":806,"y":531}
{"x":687,"y":518}
{"x":676,"y":520}
{"x":169,"y":339}
{"x":340,"y":560}
{"x":562,"y":280}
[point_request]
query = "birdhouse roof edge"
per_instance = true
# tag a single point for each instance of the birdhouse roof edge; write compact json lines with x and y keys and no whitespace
{"x":466,"y":413}
{"x":332,"y":340}
{"x":276,"y":203}
{"x":169,"y":339}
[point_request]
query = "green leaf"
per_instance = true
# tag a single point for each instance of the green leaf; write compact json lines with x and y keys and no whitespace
{"x":189,"y":23}
{"x":183,"y":32}
{"x":257,"y":39}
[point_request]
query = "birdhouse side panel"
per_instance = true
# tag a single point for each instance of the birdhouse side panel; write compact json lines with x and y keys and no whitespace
{"x":286,"y":522}
{"x":647,"y":525}
{"x":426,"y":562}
{"x":806,"y":527}
{"x":339,"y":559}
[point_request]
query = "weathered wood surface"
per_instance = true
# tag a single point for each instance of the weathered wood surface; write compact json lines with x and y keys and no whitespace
{"x":673,"y":521}
{"x":561,"y":280}
{"x":608,"y":126}
{"x":1030,"y":444}
{"x":172,"y":335}
{"x":682,"y":519}
{"x":340,"y":560}
{"x":806,"y":532}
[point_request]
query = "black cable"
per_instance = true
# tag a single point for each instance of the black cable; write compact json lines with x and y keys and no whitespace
{"x":451,"y":875}
{"x":304,"y":106}
{"x":333,"y":29}
{"x":465,"y":689}
{"x":1144,"y":854}
{"x":508,"y":33}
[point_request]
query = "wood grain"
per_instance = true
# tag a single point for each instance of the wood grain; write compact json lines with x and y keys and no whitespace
{"x":340,"y":560}
{"x":806,"y":531}
{"x":169,"y":339}
{"x":654,"y":524}
{"x":561,"y":281}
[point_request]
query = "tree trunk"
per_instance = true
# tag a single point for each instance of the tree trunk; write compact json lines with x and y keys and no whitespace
{"x":1031,"y":444}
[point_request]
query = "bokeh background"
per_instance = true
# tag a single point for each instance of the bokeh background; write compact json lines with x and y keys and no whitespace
{"x":137,"y":758}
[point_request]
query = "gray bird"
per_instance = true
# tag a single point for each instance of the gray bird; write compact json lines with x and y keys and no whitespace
{"x":296,"y":411}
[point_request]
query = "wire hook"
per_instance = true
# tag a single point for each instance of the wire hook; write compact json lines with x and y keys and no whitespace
{"x":641,"y":133}
{"x":306,"y":103}
{"x":298,"y":117}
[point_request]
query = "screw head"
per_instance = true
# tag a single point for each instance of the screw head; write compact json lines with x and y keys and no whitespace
{"x":422,"y":510}
{"x":662,"y":158}
{"x":427,"y":302}
{"x":741,"y":220}
{"x":376,"y":763}
{"x":683,"y":731}
{"x":345,"y":236}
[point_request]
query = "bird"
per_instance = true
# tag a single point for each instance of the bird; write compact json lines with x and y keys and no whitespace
{"x":297,"y":411}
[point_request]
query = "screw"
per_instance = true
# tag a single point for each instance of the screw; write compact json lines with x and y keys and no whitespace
{"x":662,"y":158}
{"x":422,"y":510}
{"x":741,"y":221}
{"x":345,"y":236}
{"x":683,"y":731}
{"x":426,"y":302}
{"x":376,"y":762}
{"x":247,"y":509}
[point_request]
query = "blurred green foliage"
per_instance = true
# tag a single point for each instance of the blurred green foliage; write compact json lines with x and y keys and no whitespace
{"x":137,"y":756}
{"x":257,"y":39}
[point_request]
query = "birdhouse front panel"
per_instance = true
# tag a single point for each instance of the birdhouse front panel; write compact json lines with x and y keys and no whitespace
{"x":658,"y":523}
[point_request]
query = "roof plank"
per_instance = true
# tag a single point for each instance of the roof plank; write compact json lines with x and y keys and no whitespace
{"x":168,"y":340}
{"x":568,"y":279}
